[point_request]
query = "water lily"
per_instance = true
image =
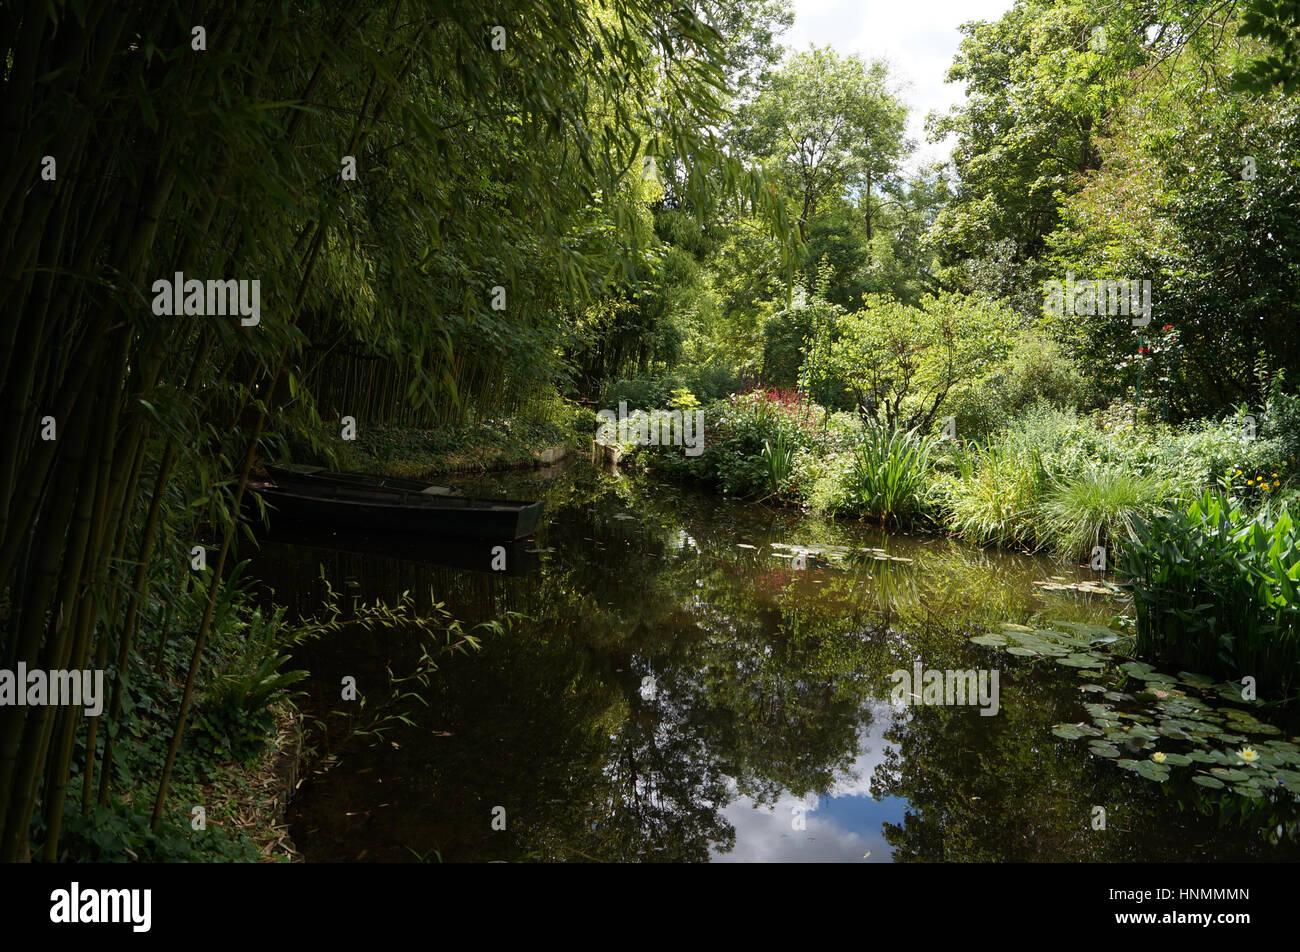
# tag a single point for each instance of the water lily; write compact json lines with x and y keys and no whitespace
{"x":1158,"y":757}
{"x":1161,"y":695}
{"x":1248,"y":755}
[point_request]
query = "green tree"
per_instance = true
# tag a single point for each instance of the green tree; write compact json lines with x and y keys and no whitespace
{"x":900,"y":362}
{"x":829,"y":125}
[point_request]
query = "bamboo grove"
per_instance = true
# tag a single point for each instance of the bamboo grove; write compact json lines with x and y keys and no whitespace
{"x":150,"y":138}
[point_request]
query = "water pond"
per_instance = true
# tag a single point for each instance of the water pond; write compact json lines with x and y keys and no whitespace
{"x":690,"y":678}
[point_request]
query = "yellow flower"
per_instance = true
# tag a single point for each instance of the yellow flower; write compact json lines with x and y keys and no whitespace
{"x":1275,"y":475}
{"x":1248,"y":754}
{"x":1238,"y":473}
{"x":1277,"y":482}
{"x":1158,"y":757}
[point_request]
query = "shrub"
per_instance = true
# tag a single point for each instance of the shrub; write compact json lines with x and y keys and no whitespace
{"x":1215,"y":591}
{"x":993,"y":496}
{"x":708,"y":383}
{"x":1097,"y":507}
{"x":1036,"y":371}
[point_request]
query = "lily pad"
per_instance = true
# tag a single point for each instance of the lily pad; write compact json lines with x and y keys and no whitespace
{"x":990,"y":641}
{"x":1080,"y":661}
{"x":1228,"y":773}
{"x":1153,"y":771}
{"x":1095,"y":634}
{"x":1211,"y":782}
{"x":1290,"y":778}
{"x":1103,"y":750}
{"x":1068,"y":731}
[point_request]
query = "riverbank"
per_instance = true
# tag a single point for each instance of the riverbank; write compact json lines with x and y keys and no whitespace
{"x":253,"y":800}
{"x":494,"y":445}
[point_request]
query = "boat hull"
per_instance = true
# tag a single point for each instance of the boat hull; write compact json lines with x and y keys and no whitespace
{"x":384,"y":510}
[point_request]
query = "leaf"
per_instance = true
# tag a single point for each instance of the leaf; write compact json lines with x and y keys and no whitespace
{"x":1068,"y":731}
{"x":1229,"y":773}
{"x":1080,"y":661}
{"x":1153,"y":771}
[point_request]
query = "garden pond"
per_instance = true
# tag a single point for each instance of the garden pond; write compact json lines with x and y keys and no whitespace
{"x":687,"y":677}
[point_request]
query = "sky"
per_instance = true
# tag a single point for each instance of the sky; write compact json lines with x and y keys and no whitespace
{"x":917,"y":37}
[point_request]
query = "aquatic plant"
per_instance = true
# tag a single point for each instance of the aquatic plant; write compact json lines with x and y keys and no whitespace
{"x":1217,"y":589}
{"x":778,"y":454}
{"x":994,"y":495}
{"x":1153,"y":723}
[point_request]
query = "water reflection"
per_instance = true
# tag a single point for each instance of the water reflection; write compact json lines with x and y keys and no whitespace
{"x":679,"y":686}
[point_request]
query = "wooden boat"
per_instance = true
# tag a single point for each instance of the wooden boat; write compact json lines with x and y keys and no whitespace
{"x":350,"y":503}
{"x":290,"y":477}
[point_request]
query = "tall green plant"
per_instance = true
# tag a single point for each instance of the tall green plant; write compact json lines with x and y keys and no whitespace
{"x":1217,"y":590}
{"x":1097,"y":507}
{"x":778,"y":454}
{"x":890,"y":473}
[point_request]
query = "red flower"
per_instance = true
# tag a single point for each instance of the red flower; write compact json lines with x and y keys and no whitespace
{"x":1169,"y":327}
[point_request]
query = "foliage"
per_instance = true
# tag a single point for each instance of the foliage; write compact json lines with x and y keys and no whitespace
{"x":994,"y":493}
{"x":1097,"y":507}
{"x":825,"y":124}
{"x":1215,"y":590}
{"x":1277,"y":22}
{"x":1193,"y":197}
{"x":778,"y":453}
{"x":889,"y":473}
{"x":1036,"y":370}
{"x":1160,"y":726}
{"x":900,"y":363}
{"x":708,"y":383}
